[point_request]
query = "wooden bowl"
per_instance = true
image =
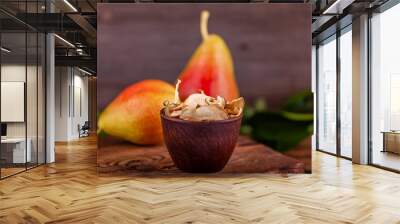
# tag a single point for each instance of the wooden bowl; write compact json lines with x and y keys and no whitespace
{"x":200,"y":146}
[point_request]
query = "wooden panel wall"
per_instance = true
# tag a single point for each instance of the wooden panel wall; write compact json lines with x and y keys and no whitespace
{"x":270,"y":44}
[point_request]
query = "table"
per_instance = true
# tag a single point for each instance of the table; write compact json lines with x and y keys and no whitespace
{"x":248,"y":157}
{"x":13,"y":150}
{"x":391,"y":141}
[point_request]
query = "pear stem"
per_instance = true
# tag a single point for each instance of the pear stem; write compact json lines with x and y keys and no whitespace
{"x":177,"y":99}
{"x":203,"y":24}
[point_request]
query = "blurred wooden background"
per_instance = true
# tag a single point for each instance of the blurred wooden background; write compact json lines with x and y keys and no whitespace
{"x":270,"y":44}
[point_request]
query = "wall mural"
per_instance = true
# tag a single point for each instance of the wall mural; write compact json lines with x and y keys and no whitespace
{"x":204,"y":88}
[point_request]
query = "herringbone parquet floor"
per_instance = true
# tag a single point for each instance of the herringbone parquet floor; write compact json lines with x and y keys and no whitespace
{"x":71,"y":191}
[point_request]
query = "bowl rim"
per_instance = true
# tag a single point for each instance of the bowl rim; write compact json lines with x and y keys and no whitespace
{"x":229,"y":120}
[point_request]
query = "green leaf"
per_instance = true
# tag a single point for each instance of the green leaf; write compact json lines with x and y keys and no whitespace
{"x":302,"y":102}
{"x":311,"y":129}
{"x":260,"y":105}
{"x":277,"y":131}
{"x":248,"y":112}
{"x":245,"y":129}
{"x":298,"y":116}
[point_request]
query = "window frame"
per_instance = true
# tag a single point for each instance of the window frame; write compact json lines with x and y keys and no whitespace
{"x":333,"y":37}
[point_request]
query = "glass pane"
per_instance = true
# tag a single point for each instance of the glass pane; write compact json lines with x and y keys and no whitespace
{"x":41,"y":98}
{"x":80,"y":101}
{"x":13,"y":88}
{"x":346,"y":94}
{"x":385,"y":114}
{"x":327,"y":96}
{"x":32,"y":89}
{"x":313,"y":88}
{"x":23,"y":90}
{"x":32,"y":98}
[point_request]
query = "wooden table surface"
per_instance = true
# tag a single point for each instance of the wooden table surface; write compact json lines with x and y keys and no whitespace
{"x":248,"y":157}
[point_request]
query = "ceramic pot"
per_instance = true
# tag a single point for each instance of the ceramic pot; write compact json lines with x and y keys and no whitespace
{"x":200,"y":146}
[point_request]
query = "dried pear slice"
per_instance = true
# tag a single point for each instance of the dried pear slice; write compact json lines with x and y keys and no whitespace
{"x":196,"y":99}
{"x":205,"y":113}
{"x":217,"y":101}
{"x":177,"y":100}
{"x":235,"y":107}
{"x":200,"y":107}
{"x":176,"y":113}
{"x":188,"y":113}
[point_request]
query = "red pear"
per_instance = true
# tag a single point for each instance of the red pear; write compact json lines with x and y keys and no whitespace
{"x":210,"y":68}
{"x":134,"y":115}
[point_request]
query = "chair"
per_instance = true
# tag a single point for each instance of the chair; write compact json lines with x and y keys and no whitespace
{"x":84,"y":130}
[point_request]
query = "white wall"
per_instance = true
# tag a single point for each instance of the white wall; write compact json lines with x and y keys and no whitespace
{"x":33,"y":127}
{"x":12,"y":73}
{"x":62,"y":82}
{"x":80,"y":111}
{"x":71,"y":103}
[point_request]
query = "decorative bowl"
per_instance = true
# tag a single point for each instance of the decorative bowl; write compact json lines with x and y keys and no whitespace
{"x":200,"y":146}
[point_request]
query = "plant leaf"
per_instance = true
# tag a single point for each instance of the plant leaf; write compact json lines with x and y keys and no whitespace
{"x":302,"y":102}
{"x":277,"y":131}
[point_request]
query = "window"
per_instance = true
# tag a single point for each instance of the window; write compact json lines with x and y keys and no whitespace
{"x":327,"y":95}
{"x":385,"y":89}
{"x":334,"y":90}
{"x":346,"y":92}
{"x":313,"y":88}
{"x":22,"y":78}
